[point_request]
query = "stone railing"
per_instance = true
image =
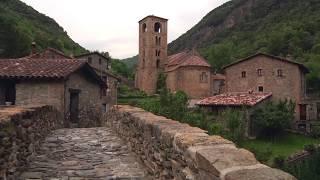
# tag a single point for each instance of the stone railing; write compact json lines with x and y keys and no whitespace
{"x":21,"y":130}
{"x":172,"y":150}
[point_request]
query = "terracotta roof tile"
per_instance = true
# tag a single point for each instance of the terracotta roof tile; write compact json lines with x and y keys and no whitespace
{"x":38,"y":68}
{"x":185,"y":59}
{"x":235,"y":99}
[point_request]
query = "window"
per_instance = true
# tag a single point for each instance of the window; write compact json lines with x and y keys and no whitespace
{"x":279,"y":73}
{"x":157,"y":53}
{"x":259,"y":72}
{"x":203,"y":77}
{"x":260,"y":88}
{"x":158,"y":63}
{"x":144,"y":27}
{"x":89,"y":60}
{"x":103,"y":91}
{"x":100,"y":61}
{"x":158,"y":40}
{"x":143,"y":62}
{"x":105,"y":107}
{"x":157,"y":27}
{"x":243,"y":74}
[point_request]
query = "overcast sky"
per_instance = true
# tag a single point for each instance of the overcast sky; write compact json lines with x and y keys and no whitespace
{"x":112,"y":25}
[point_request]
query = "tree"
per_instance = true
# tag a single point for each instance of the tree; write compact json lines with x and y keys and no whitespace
{"x":272,"y":119}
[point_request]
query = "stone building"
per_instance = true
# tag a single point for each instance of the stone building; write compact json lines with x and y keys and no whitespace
{"x":152,"y":52}
{"x":185,"y":71}
{"x":189,"y":72}
{"x":101,"y":64}
{"x":69,"y":85}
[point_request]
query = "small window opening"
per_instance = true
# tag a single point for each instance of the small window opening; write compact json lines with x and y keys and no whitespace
{"x":144,"y":27}
{"x":143,"y":63}
{"x":158,"y":63}
{"x":259,"y":72}
{"x":157,"y":27}
{"x":243,"y":74}
{"x":260,"y":88}
{"x":203,"y":77}
{"x":100,"y":62}
{"x":280,"y":73}
{"x":103,"y":91}
{"x":89,"y":60}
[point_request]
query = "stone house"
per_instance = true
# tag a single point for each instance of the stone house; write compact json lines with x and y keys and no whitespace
{"x":71,"y":86}
{"x":101,"y":64}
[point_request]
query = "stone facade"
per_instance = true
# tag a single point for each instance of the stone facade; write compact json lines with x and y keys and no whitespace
{"x":171,"y":150}
{"x":152,"y":52}
{"x":263,"y":73}
{"x":188,"y":79}
{"x":96,"y":60}
{"x":37,"y":92}
{"x":91,"y":101}
{"x":21,"y":131}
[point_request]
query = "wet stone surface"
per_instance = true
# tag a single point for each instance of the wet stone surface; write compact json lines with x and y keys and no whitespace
{"x":83,"y":154}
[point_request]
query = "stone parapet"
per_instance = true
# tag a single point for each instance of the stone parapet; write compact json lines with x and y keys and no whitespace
{"x":173,"y":150}
{"x":21,"y":130}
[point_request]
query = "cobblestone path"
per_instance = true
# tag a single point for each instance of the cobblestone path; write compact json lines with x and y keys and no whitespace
{"x":83,"y":154}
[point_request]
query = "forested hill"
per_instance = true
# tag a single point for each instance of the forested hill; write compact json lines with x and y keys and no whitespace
{"x":20,"y":25}
{"x":240,"y":28}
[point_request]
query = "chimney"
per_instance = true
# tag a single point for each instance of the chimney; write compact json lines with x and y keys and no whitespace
{"x":33,"y":48}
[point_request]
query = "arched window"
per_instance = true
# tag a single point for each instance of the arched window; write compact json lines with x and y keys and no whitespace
{"x":158,"y":40}
{"x":158,"y":63}
{"x":157,"y":27}
{"x":144,"y":27}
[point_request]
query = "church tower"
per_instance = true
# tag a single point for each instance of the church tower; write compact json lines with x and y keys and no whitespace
{"x":152,"y":52}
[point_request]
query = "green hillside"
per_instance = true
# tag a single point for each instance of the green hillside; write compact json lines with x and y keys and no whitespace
{"x":240,"y":28}
{"x":20,"y":25}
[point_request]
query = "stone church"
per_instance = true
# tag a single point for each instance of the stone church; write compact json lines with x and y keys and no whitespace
{"x":186,"y":71}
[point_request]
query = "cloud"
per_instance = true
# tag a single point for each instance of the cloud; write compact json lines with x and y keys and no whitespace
{"x":112,"y":25}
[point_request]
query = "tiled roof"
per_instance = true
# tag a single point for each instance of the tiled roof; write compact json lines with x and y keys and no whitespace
{"x":42,"y":54}
{"x":301,"y":66}
{"x":185,"y":59}
{"x":38,"y":68}
{"x":235,"y":99}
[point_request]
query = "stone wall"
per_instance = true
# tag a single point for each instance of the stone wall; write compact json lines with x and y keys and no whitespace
{"x":40,"y":92}
{"x":187,"y":79}
{"x":172,"y":150}
{"x":21,"y":130}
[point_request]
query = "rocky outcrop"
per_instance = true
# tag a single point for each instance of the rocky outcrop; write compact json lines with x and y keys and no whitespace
{"x":21,"y":130}
{"x":172,"y":150}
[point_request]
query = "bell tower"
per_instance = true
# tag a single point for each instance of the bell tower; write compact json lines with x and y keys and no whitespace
{"x":152,"y":52}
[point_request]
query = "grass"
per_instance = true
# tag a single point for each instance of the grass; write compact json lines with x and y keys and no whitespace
{"x":135,"y":100}
{"x":282,"y":146}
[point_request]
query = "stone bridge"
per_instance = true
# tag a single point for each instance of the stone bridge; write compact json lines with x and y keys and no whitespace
{"x":134,"y":145}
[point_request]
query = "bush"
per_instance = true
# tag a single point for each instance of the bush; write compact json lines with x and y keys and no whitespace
{"x":315,"y":131}
{"x":273,"y":119}
{"x":279,"y":161}
{"x":216,"y":128}
{"x":310,"y":148}
{"x":234,"y":123}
